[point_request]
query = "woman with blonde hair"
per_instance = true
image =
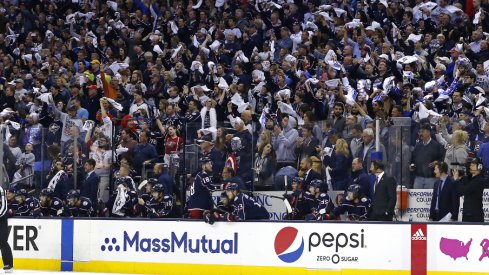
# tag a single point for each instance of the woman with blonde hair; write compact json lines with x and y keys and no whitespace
{"x":457,"y":152}
{"x":318,"y":167}
{"x":265,"y":138}
{"x":341,"y":164}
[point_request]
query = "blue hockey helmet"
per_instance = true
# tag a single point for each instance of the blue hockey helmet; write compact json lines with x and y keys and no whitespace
{"x":72,"y":194}
{"x":316,"y":183}
{"x":232,"y":186}
{"x":47,"y":192}
{"x":21,"y":192}
{"x":355,"y":189}
{"x":158,"y":188}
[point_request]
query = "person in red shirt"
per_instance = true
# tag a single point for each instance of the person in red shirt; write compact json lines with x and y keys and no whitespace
{"x":173,"y":143}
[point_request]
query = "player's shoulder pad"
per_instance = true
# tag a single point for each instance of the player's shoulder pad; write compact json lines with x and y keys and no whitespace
{"x":56,"y":203}
{"x":166,"y":197}
{"x":85,"y":203}
{"x":323,"y":195}
{"x":364,"y":199}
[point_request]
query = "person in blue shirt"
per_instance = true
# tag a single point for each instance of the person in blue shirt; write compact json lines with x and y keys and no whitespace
{"x":160,"y":172}
{"x":483,"y":154}
{"x":143,"y":153}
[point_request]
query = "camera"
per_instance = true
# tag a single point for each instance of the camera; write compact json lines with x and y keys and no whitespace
{"x":460,"y":167}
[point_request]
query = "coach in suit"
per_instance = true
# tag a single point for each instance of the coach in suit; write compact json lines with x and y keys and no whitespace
{"x":445,"y":195}
{"x":89,"y":188}
{"x":384,"y":194}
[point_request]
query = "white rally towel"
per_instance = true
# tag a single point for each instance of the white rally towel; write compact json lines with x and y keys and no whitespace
{"x":223,"y":85}
{"x":14,"y":124}
{"x":197,"y":6}
{"x":328,"y":179}
{"x":173,"y":27}
{"x":88,"y":125}
{"x":477,"y":17}
{"x":423,"y":111}
{"x":287,"y":109}
{"x":120,"y":200}
{"x":215,"y":45}
{"x":415,"y":38}
{"x":55,"y":180}
{"x":114,"y":67}
{"x":237,"y":100}
{"x":407,"y":59}
{"x":284,"y":93}
{"x":112,"y":5}
{"x":313,"y":80}
{"x":176,"y":51}
{"x":220,"y":3}
{"x":333,"y":83}
{"x":114,"y":104}
{"x":46,"y":97}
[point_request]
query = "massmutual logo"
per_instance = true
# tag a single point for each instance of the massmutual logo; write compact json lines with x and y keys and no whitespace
{"x":288,"y":245}
{"x":172,"y":243}
{"x":323,"y":246}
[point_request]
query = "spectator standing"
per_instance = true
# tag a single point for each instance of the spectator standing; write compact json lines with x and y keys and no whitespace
{"x":285,"y":141}
{"x":144,"y":153}
{"x":102,"y":155}
{"x":341,"y":166}
{"x":457,"y":153}
{"x":424,"y":156}
{"x":368,"y":146}
{"x":264,"y":165}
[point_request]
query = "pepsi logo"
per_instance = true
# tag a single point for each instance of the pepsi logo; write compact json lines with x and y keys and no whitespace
{"x":288,"y":245}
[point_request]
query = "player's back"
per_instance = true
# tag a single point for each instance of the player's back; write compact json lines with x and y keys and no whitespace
{"x":200,"y":192}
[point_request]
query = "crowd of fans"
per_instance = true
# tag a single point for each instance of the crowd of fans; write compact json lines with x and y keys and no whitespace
{"x":110,"y":93}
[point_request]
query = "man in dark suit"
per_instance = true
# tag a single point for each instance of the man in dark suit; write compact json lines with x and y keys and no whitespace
{"x":89,"y":188}
{"x":445,"y":196}
{"x":384,"y":194}
{"x":309,"y":174}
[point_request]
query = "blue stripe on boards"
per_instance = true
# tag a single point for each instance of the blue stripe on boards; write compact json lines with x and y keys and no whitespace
{"x":67,"y":245}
